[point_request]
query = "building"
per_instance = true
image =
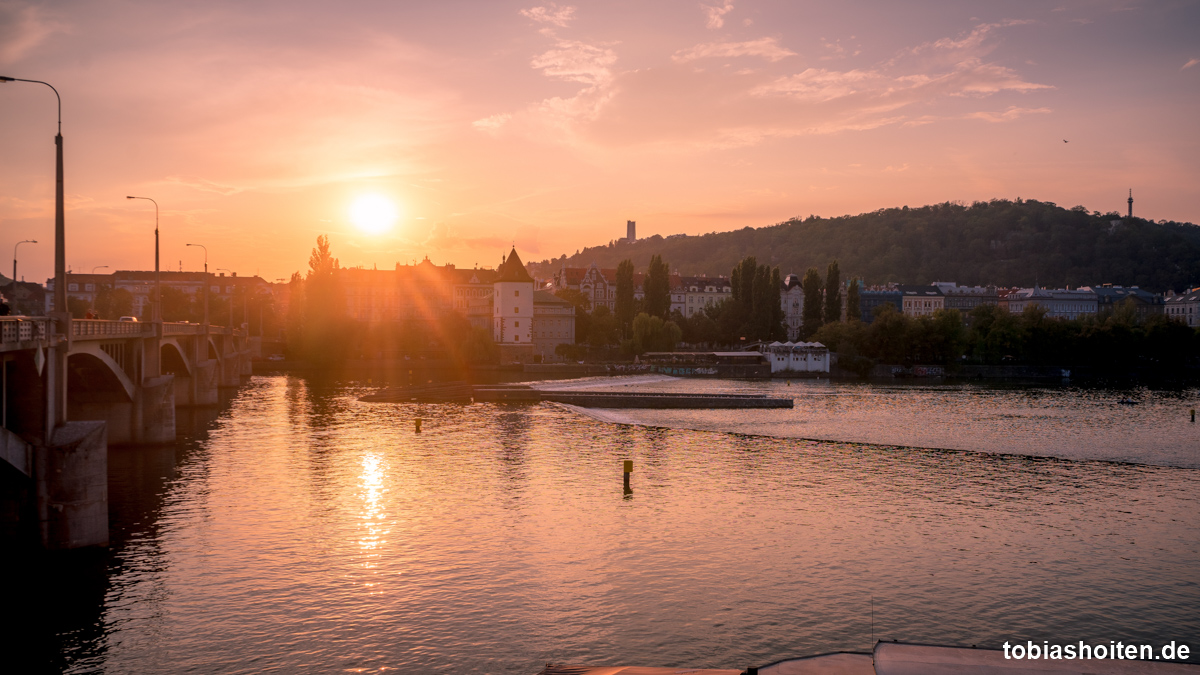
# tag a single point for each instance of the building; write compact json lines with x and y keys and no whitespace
{"x":553,"y":324}
{"x":921,"y":300}
{"x":1183,"y":307}
{"x":791,"y":297}
{"x":871,"y":297}
{"x":24,"y":297}
{"x":691,"y":295}
{"x":797,"y":357}
{"x":1059,"y":303}
{"x":597,"y":285}
{"x":967,"y":298}
{"x":140,"y":284}
{"x":512,"y":310}
{"x":1109,"y":297}
{"x":630,"y":231}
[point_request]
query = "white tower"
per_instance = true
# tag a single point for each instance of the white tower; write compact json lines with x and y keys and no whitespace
{"x":512,"y":304}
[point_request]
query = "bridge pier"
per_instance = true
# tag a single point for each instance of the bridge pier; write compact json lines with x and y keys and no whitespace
{"x":71,"y":479}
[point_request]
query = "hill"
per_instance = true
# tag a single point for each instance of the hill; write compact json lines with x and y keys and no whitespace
{"x":1007,"y":243}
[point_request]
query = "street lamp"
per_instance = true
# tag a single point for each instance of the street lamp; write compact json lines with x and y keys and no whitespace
{"x":222,"y":269}
{"x":99,"y":267}
{"x":157,"y":285}
{"x":60,"y":244}
{"x":27,"y":241}
{"x":205,"y":284}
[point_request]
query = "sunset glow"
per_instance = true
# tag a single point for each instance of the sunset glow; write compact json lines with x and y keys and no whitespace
{"x":548,"y":125}
{"x":373,"y":214}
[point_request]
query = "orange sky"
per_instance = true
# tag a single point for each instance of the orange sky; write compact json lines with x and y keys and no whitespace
{"x":549,"y":125}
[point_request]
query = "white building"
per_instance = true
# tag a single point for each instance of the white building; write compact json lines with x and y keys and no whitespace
{"x":512,"y":310}
{"x":692,"y":294}
{"x":798,"y":357}
{"x":1184,"y":307}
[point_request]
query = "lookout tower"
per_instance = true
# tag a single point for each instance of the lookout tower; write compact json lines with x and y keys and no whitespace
{"x":1130,"y":202}
{"x":630,"y":231}
{"x":512,"y":310}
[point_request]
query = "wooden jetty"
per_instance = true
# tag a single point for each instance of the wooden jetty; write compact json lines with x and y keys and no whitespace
{"x":461,"y":392}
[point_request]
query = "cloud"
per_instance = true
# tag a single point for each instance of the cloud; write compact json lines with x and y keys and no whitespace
{"x":553,"y":15}
{"x":716,"y":14}
{"x":1190,"y":63}
{"x":576,"y":62}
{"x":22,"y":28}
{"x":1012,"y":113}
{"x":492,"y":123}
{"x":767,"y":48}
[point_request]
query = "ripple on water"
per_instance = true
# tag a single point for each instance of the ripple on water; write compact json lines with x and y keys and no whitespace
{"x":305,"y":531}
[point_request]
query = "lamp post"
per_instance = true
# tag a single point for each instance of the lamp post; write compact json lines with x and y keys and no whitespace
{"x":27,"y":241}
{"x":60,"y":252}
{"x":157,"y":285}
{"x":56,"y":381}
{"x":99,"y":267}
{"x":222,"y":269}
{"x":205,"y":284}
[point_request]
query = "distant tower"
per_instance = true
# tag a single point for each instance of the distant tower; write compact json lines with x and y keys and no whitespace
{"x":1130,"y":202}
{"x":630,"y":231}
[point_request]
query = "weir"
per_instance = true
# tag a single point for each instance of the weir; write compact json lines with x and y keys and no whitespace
{"x":72,"y":387}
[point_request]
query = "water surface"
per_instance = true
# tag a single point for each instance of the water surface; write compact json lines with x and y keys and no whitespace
{"x":302,"y":531}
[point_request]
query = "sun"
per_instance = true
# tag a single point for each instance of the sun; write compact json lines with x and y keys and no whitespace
{"x":373,"y":214}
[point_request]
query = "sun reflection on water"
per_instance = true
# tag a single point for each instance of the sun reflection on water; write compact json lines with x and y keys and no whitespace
{"x":373,"y":490}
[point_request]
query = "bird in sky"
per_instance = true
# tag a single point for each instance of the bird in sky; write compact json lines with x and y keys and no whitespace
{"x":1066,"y":141}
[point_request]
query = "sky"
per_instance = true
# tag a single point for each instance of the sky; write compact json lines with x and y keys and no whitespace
{"x":258,"y":126}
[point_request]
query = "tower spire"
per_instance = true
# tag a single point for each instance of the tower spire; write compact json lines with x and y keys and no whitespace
{"x":1130,"y":202}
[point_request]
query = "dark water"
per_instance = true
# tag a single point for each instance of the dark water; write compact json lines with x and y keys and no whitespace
{"x":302,"y":531}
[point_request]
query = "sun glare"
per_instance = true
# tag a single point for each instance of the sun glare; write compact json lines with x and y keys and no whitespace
{"x":373,"y":214}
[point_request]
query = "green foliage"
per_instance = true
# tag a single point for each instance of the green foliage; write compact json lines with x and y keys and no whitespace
{"x":657,"y":288}
{"x":833,"y":293}
{"x":652,"y":334}
{"x":853,"y":302}
{"x":325,"y":324}
{"x":603,"y":330}
{"x":113,"y":303}
{"x":624,"y":300}
{"x":1008,"y":243}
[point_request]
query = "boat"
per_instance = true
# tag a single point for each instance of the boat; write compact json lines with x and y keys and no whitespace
{"x":736,"y":365}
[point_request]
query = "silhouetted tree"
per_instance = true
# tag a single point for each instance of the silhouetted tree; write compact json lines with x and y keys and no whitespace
{"x":853,"y":303}
{"x":624,"y":299}
{"x":657,"y":288}
{"x":833,"y":293}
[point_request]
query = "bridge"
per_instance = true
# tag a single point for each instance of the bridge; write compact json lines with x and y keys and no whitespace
{"x":72,"y":387}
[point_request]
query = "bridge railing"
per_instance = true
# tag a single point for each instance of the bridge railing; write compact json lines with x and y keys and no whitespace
{"x":14,"y":329}
{"x":181,"y":328}
{"x":103,"y":328}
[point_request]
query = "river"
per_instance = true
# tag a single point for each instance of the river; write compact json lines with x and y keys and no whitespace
{"x":298,"y":530}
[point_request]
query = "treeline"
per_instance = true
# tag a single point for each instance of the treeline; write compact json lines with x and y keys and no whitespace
{"x":1002,"y":242}
{"x":1117,"y":341}
{"x":318,"y":329}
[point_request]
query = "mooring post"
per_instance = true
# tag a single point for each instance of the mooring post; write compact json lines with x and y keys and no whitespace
{"x":628,"y":470}
{"x":418,"y":424}
{"x":1193,"y":415}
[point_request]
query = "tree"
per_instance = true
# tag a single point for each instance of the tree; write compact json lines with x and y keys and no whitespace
{"x":624,"y":300}
{"x":833,"y":293}
{"x":324,"y":307}
{"x":652,"y":334}
{"x":603,"y":330}
{"x":811,"y":284}
{"x":658,"y":288}
{"x":113,"y":303}
{"x":853,"y":306}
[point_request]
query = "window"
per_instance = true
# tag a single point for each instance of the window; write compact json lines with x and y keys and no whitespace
{"x":89,"y":287}
{"x":516,"y":310}
{"x":516,"y":324}
{"x":72,"y":287}
{"x":516,"y":294}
